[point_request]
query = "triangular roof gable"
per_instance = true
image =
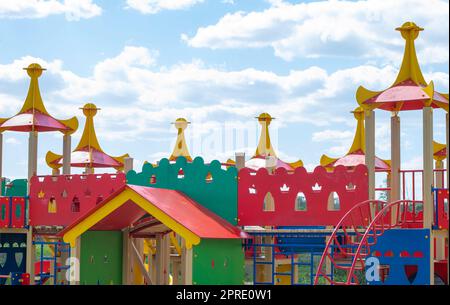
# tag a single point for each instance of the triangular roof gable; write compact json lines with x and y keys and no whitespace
{"x":175,"y":210}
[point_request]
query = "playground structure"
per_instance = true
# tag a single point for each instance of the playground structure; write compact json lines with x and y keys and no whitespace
{"x":256,"y":221}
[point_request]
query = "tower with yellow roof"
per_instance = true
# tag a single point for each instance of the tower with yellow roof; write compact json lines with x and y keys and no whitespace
{"x":88,"y":154}
{"x":33,"y":118}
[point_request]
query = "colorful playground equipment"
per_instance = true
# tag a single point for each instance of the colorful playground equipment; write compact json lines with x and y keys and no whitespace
{"x":257,"y":221}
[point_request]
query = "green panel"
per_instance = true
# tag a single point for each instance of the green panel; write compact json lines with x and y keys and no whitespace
{"x":3,"y":186}
{"x":17,"y":187}
{"x":218,"y":262}
{"x":218,"y":195}
{"x":101,"y":258}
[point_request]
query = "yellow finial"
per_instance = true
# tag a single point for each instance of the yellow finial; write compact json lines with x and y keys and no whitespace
{"x":265,"y":146}
{"x":410,"y":68}
{"x":180,"y":149}
{"x":89,"y":138}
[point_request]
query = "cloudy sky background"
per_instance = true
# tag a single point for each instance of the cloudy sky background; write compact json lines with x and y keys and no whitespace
{"x":218,"y":63}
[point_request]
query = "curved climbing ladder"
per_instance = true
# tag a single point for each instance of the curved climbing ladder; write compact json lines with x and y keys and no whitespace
{"x":356,"y":232}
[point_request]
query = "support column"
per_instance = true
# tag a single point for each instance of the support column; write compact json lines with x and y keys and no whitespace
{"x":370,"y":150}
{"x":31,"y":252}
{"x":67,"y":147}
{"x":240,"y":160}
{"x":126,"y":253}
{"x":75,"y":267}
{"x":159,"y":260}
{"x":138,"y":275}
{"x":439,"y":175}
{"x":127,"y":164}
{"x":166,"y":259}
{"x":448,"y":147}
{"x":395,"y":164}
{"x":428,"y":206}
{"x":32,"y":153}
{"x":448,"y":173}
{"x":1,"y":156}
{"x":186,"y":265}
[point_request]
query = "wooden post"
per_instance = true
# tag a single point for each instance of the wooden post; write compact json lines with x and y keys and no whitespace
{"x":448,"y":173}
{"x":127,"y":164}
{"x":439,"y":175}
{"x":126,"y":258}
{"x":240,"y":160}
{"x":186,"y":265}
{"x":165,"y":259}
{"x":370,"y":150}
{"x":32,"y":153}
{"x":76,"y":253}
{"x":395,"y":164}
{"x":1,"y":156}
{"x":159,"y":260}
{"x":66,"y":154}
{"x":428,"y":206}
{"x":137,"y":245}
{"x":31,"y":253}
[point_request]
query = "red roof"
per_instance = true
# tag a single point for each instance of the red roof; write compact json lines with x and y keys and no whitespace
{"x":25,"y":122}
{"x":94,"y":158}
{"x":185,"y":211}
{"x":411,"y":95}
{"x":355,"y":159}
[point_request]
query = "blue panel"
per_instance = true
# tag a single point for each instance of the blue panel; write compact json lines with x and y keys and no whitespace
{"x":400,"y":240}
{"x":12,"y":254}
{"x":310,"y":244}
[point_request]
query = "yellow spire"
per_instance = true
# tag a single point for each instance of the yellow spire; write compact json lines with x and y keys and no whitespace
{"x":359,"y":140}
{"x":34,"y":102}
{"x":180,"y":148}
{"x":89,"y":138}
{"x":410,"y":68}
{"x":264,"y":146}
{"x":34,"y":99}
{"x":409,"y":71}
{"x":88,"y":142}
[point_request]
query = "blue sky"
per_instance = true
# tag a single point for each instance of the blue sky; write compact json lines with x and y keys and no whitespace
{"x":219,"y":64}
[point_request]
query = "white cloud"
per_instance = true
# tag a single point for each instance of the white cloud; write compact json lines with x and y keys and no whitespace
{"x":332,"y":28}
{"x":12,"y":141}
{"x":74,"y":10}
{"x":139,"y":98}
{"x":155,"y":6}
{"x":327,"y":135}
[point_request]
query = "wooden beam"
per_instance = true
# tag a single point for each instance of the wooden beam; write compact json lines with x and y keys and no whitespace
{"x":1,"y":156}
{"x":126,"y":258}
{"x":140,"y":263}
{"x":32,"y":153}
{"x":67,"y":151}
{"x":31,"y":255}
{"x":370,"y":150}
{"x":428,"y":205}
{"x":186,"y":265}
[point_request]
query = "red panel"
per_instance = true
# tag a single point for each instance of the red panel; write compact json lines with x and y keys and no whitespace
{"x":442,"y":216}
{"x":65,"y":190}
{"x":121,"y":218}
{"x":284,"y":187}
{"x":18,"y":212}
{"x":4,"y":212}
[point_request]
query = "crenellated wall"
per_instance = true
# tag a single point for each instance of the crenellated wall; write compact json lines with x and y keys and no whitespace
{"x":208,"y":184}
{"x":60,"y":200}
{"x":351,"y":188}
